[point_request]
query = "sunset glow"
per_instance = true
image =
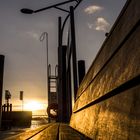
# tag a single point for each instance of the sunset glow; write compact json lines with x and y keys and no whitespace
{"x":33,"y":106}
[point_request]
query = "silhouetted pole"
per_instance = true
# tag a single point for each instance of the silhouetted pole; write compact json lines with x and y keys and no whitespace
{"x":73,"y":45}
{"x":43,"y":36}
{"x":81,"y":70}
{"x":59,"y":32}
{"x":1,"y":84}
{"x":21,"y":98}
{"x":10,"y":107}
{"x":60,"y":100}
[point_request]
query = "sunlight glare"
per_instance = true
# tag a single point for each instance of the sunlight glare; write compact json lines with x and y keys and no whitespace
{"x":33,"y":106}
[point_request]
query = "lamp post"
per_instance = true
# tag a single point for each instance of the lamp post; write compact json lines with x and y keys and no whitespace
{"x":44,"y":36}
{"x":56,"y":6}
{"x":30,"y":11}
{"x":63,"y":79}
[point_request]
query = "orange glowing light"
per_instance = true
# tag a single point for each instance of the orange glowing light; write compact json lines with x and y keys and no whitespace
{"x":33,"y":106}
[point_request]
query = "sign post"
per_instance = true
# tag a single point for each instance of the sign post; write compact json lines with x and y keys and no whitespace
{"x":21,"y":98}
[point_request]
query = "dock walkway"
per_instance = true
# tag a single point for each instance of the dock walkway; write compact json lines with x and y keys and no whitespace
{"x":52,"y":131}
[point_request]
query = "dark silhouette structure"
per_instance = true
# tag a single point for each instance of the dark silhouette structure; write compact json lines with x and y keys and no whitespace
{"x":67,"y":68}
{"x":1,"y":83}
{"x":81,"y":70}
{"x":52,"y":93}
{"x":67,"y":61}
{"x":7,"y":106}
{"x":16,"y":119}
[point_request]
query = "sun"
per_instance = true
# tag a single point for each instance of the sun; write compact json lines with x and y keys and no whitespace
{"x":33,"y":106}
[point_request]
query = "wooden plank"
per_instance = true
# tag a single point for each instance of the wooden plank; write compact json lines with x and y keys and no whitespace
{"x":67,"y":133}
{"x":51,"y":133}
{"x":28,"y":133}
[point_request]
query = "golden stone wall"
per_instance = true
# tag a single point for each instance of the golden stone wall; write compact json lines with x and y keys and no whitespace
{"x":108,"y":100}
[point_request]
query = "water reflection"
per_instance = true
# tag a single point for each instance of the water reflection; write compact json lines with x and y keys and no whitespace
{"x":38,"y":121}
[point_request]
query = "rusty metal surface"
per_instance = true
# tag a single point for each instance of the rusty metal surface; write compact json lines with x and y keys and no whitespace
{"x":124,"y":24}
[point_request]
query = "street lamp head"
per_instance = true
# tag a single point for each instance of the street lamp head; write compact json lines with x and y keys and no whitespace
{"x":27,"y":11}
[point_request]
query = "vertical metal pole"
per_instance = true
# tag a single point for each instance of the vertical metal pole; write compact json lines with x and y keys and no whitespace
{"x":10,"y":107}
{"x":1,"y":84}
{"x":22,"y":105}
{"x":62,"y":95}
{"x":73,"y":45}
{"x":49,"y":74}
{"x":42,"y":37}
{"x":59,"y":70}
{"x":21,"y":98}
{"x":59,"y":32}
{"x":7,"y":105}
{"x":81,"y":70}
{"x":68,"y":90}
{"x":47,"y":63}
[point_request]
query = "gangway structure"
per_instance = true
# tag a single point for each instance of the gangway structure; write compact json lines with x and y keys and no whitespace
{"x":52,"y":93}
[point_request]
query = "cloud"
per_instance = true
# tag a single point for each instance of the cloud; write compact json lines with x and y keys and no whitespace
{"x":101,"y":24}
{"x":92,"y":9}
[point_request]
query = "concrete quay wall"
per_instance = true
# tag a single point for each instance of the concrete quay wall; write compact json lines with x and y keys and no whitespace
{"x":108,"y":99}
{"x":16,"y":118}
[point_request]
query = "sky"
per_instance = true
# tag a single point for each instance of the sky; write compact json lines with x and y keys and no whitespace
{"x":25,"y":55}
